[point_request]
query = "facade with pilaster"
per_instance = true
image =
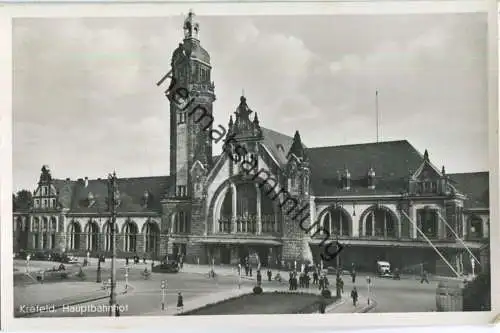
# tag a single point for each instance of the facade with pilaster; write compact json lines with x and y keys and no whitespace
{"x":382,"y":201}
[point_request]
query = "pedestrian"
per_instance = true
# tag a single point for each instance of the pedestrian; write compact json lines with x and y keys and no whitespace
{"x":424,"y":277}
{"x":180,"y":302}
{"x":315,"y":278}
{"x":354,"y":296}
{"x":144,"y":259}
{"x":322,"y":306}
{"x":290,"y":282}
{"x":250,"y":270}
{"x":353,"y":275}
{"x":269,"y":275}
{"x":246,"y":269}
{"x":117,"y":310}
{"x":259,"y":278}
{"x":320,"y":283}
{"x":126,"y":261}
{"x":239,"y":269}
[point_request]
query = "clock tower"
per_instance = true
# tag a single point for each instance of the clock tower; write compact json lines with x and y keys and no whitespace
{"x":191,"y":88}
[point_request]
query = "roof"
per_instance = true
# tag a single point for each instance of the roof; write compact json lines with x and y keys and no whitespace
{"x":75,"y":195}
{"x":278,"y":144}
{"x":392,"y":162}
{"x":475,"y":185}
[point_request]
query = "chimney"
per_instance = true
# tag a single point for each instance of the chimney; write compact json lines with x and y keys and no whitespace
{"x":86,"y":181}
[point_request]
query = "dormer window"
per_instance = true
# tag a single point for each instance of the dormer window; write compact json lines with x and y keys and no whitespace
{"x":371,"y":179}
{"x":280,"y":148}
{"x":145,"y":199}
{"x":90,"y":199}
{"x":346,"y":179}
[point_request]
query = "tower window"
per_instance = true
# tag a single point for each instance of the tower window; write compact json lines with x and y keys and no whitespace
{"x":181,"y":118}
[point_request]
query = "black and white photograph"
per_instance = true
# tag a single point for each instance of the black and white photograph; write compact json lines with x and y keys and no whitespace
{"x":195,"y":164}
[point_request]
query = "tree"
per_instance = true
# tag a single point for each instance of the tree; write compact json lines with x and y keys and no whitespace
{"x":23,"y":200}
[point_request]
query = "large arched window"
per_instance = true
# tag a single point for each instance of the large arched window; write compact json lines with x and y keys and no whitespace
{"x":428,"y":221}
{"x":45,"y":233}
{"x":337,"y":222}
{"x":108,"y":239}
{"x":74,"y":232}
{"x":35,"y":228}
{"x":130,"y":234}
{"x":53,"y":230}
{"x":92,"y":231}
{"x":380,"y":222}
{"x":151,"y":237}
{"x":475,"y":227}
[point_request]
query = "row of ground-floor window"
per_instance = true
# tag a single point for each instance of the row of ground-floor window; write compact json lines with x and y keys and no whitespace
{"x":87,"y":242}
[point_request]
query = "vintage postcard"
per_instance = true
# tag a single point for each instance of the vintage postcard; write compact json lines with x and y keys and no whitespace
{"x":311,"y":162}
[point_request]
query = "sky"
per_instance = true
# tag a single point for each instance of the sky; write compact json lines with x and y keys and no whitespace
{"x":85,"y":100}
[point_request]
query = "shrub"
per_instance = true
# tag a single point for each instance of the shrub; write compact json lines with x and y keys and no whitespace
{"x":257,"y":290}
{"x":326,"y":293}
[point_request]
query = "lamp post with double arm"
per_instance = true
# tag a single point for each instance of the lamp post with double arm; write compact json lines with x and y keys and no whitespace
{"x":113,"y":191}
{"x":337,"y":258}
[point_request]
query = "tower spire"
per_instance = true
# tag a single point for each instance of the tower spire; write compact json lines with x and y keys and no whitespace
{"x":191,"y":26}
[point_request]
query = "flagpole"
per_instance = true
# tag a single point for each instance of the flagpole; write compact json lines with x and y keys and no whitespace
{"x":376,"y":110}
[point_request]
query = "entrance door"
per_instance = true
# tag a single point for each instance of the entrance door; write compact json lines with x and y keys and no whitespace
{"x":225,"y":255}
{"x":243,"y":253}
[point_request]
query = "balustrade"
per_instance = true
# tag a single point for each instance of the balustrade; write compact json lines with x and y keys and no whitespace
{"x":247,"y":224}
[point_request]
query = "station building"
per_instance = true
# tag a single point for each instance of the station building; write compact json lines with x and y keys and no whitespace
{"x":382,"y":201}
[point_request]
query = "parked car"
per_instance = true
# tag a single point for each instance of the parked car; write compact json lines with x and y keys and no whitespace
{"x":167,"y":267}
{"x":384,"y":269}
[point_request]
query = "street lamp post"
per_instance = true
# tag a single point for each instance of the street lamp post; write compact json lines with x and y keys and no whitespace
{"x":338,"y":267}
{"x":113,"y":188}
{"x":126,"y":278}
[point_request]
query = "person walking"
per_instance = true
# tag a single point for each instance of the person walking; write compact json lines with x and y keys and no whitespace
{"x":117,"y":310}
{"x":354,"y":296}
{"x":259,"y":278}
{"x":315,"y":278}
{"x":353,"y":275}
{"x":269,"y":275}
{"x":340,"y":284}
{"x":424,"y":277}
{"x":321,"y":283}
{"x":180,"y":303}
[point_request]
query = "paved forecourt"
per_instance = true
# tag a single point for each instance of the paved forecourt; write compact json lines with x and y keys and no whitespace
{"x":144,"y":296}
